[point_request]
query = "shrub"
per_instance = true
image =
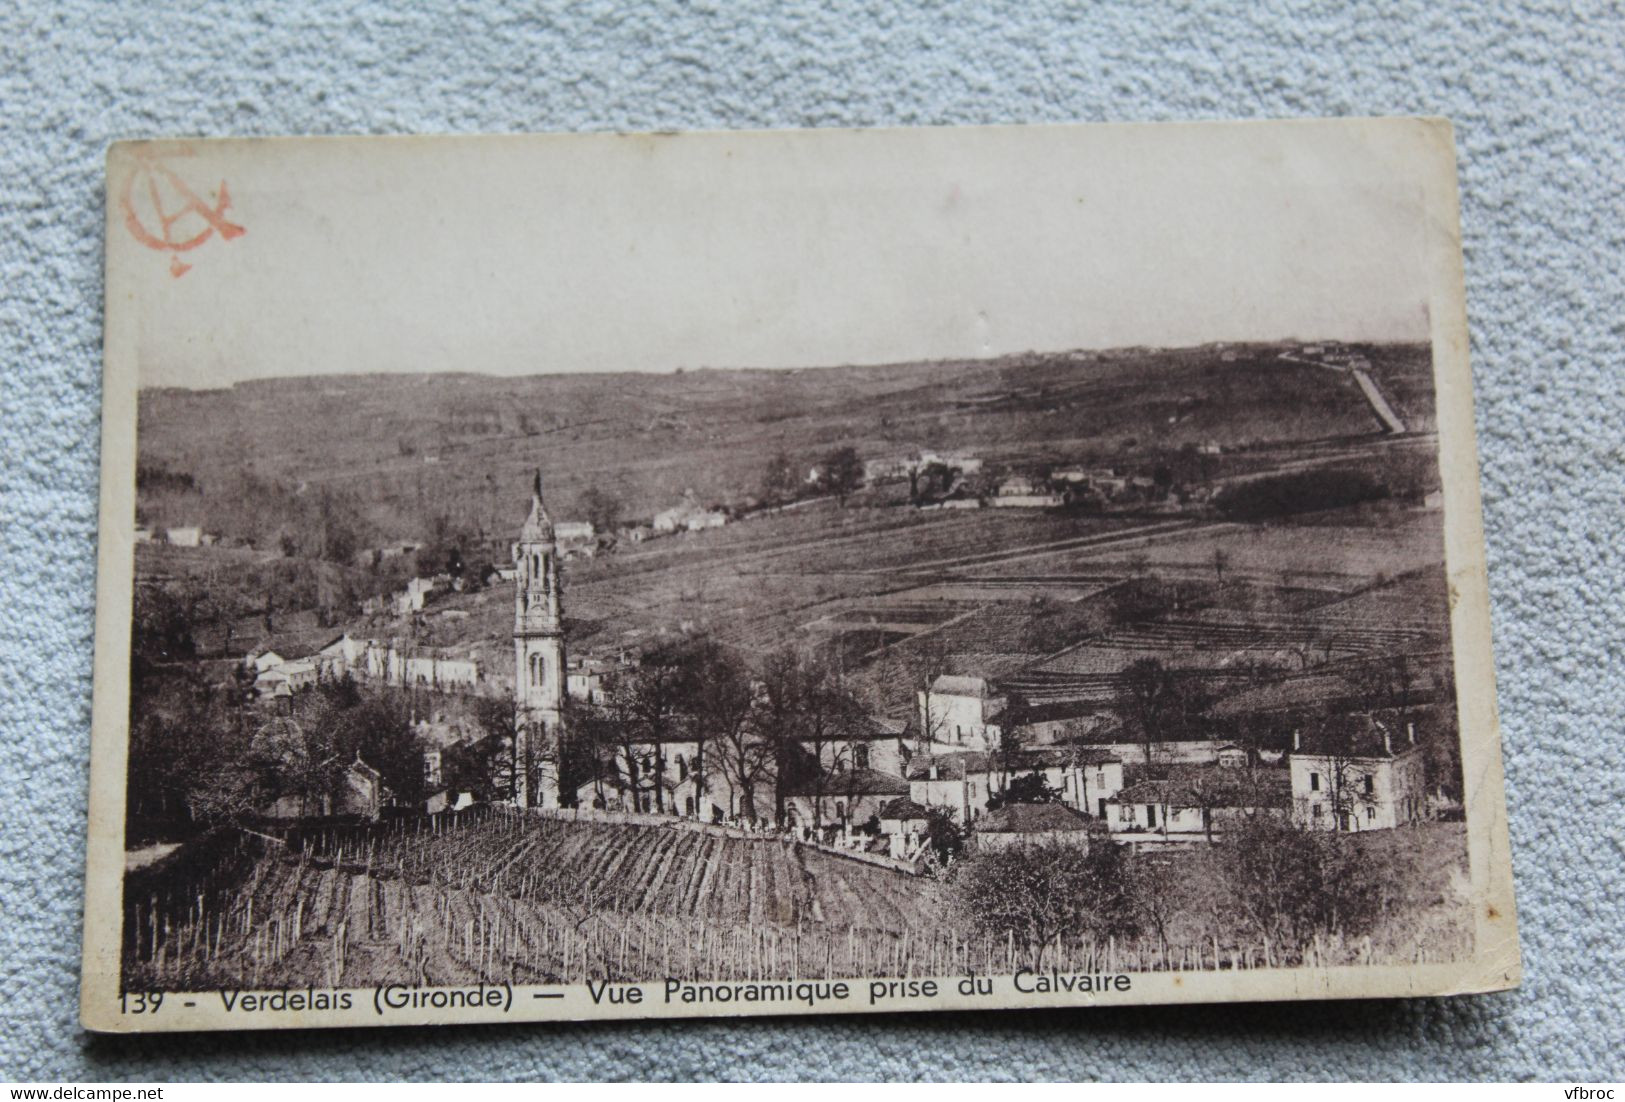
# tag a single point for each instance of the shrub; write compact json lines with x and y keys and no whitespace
{"x":1299,"y":492}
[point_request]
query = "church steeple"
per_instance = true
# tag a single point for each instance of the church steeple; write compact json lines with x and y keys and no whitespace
{"x":539,"y":663}
{"x":538,"y":527}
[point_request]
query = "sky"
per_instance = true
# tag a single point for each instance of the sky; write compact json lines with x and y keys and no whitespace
{"x":540,"y":254}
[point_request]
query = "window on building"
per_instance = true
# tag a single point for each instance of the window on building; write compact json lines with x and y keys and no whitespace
{"x":840,"y":809}
{"x":1100,"y":778}
{"x":1314,"y":782}
{"x":1314,"y":809}
{"x":861,"y":756}
{"x":1370,"y":784}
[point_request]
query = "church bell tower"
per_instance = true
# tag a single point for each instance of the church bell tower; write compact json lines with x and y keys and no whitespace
{"x":538,"y":643}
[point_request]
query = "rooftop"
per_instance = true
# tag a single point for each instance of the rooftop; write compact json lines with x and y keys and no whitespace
{"x":950,"y":767}
{"x":1356,"y":735}
{"x":956,"y":685}
{"x":903,"y":808}
{"x":855,"y":782}
{"x":1031,"y":819}
{"x":1208,"y":786}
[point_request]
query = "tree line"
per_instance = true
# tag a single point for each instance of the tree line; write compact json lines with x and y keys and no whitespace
{"x":1266,"y":881}
{"x":754,"y":732}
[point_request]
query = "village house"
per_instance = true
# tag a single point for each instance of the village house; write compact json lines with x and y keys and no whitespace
{"x":576,"y":538}
{"x":413,"y":597}
{"x":874,"y":742}
{"x":957,"y":782}
{"x":963,"y":462}
{"x":1087,"y":777}
{"x":389,"y":664}
{"x":261,"y":661}
{"x":887,"y":469}
{"x":902,"y":816}
{"x":1031,"y":825}
{"x":585,"y":679}
{"x":185,"y":536}
{"x":1020,"y":492}
{"x":338,"y":657}
{"x":1356,"y":772}
{"x":360,"y":792}
{"x":849,"y":798}
{"x":1060,"y":721}
{"x":1194,"y":803}
{"x":688,"y":516}
{"x":961,"y":713}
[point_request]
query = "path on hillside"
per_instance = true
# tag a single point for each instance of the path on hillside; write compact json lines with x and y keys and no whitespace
{"x":1373,"y":394}
{"x":1379,"y":404}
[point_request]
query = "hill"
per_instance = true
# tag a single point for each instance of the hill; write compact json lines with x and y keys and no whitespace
{"x":409,"y":451}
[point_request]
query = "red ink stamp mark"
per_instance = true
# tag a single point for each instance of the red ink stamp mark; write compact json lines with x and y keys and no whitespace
{"x":163,"y":212}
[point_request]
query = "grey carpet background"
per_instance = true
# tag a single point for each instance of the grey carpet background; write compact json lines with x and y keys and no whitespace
{"x":1536,"y":94}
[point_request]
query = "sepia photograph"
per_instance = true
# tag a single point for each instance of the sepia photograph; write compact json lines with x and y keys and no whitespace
{"x":789,"y":572}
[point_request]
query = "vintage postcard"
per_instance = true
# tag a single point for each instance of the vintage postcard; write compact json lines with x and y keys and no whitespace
{"x":609,"y":575}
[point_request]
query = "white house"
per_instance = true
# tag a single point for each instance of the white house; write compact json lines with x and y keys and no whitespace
{"x":849,"y":798}
{"x":1019,"y":492}
{"x":1357,"y":772}
{"x":959,"y":782}
{"x":1194,"y":803}
{"x":902,"y":816}
{"x":340,"y":656}
{"x":187,"y":536}
{"x":711,"y":518}
{"x":412,"y":598}
{"x":875,"y":742}
{"x":1088,"y":777}
{"x":689,"y":515}
{"x":961,"y":713}
{"x":260,"y":661}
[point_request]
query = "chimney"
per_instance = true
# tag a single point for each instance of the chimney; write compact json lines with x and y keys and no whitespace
{"x":1410,"y":729}
{"x":1297,"y":739}
{"x":931,"y":770}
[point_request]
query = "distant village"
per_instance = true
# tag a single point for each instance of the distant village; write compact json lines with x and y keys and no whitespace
{"x":971,"y":754}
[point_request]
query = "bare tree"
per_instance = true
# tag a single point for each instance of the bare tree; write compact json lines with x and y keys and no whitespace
{"x":721,"y":699}
{"x":651,"y":698}
{"x":829,"y":715}
{"x":1148,"y":690}
{"x":1042,"y":893}
{"x":779,"y":719}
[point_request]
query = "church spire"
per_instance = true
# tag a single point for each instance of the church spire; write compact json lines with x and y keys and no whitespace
{"x":538,"y":526}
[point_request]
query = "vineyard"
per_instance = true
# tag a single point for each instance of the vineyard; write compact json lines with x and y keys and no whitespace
{"x":527,"y":899}
{"x":521,"y":897}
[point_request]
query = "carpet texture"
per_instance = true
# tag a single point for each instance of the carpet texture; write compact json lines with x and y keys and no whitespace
{"x":1536,"y":95}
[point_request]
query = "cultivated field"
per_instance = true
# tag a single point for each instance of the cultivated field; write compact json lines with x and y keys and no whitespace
{"x":532,"y":900}
{"x":1327,"y":554}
